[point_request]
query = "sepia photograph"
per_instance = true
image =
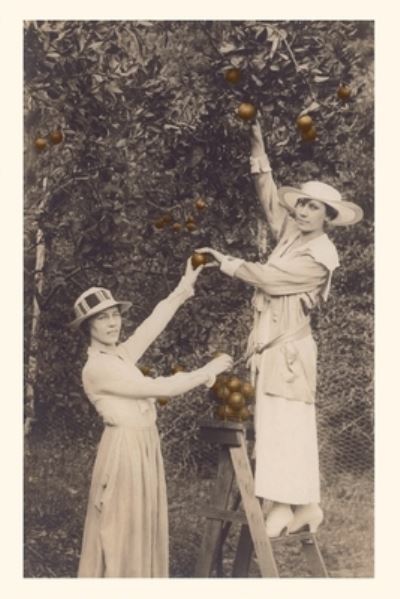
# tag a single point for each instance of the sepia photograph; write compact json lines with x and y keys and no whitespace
{"x":198,"y":287}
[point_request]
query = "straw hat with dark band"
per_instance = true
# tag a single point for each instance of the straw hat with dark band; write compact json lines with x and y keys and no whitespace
{"x":348,"y":213}
{"x":92,"y":301}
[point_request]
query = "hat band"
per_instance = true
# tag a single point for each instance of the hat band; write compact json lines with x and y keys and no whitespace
{"x":91,"y":301}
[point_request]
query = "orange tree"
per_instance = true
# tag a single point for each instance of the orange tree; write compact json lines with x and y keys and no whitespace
{"x":152,"y":162}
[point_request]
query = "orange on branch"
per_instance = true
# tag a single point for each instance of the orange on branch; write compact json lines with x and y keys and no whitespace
{"x":244,"y":413}
{"x":200,"y":204}
{"x":199,"y":259}
{"x":310,"y":134}
{"x":234,"y":383}
{"x":219,"y":391}
{"x":236,"y":400}
{"x":248,"y":390}
{"x":229,"y":412}
{"x":344,"y":92}
{"x":177,"y":227}
{"x":221,"y":378}
{"x":233,"y":75}
{"x":223,"y":392}
{"x":247,"y":111}
{"x":56,"y":136}
{"x":304,"y":122}
{"x":40,"y":144}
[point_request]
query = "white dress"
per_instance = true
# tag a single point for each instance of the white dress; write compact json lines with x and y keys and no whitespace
{"x":126,"y":526}
{"x":289,"y":286}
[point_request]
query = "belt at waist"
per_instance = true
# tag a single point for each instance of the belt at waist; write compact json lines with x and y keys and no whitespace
{"x":299,"y":333}
{"x":138,"y":427}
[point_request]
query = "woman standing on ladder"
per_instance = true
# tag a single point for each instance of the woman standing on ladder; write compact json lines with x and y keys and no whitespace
{"x":282,"y":352}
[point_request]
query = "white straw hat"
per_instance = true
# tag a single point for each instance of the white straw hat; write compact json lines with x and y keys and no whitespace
{"x":92,"y":301}
{"x":348,"y":213}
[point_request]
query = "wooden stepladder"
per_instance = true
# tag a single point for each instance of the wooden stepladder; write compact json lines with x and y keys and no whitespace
{"x":234,"y":465}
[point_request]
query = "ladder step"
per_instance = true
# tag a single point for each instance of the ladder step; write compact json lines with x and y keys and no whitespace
{"x":225,"y":515}
{"x":295,"y":536}
{"x":214,"y":513}
{"x":234,"y":463}
{"x":227,"y":433}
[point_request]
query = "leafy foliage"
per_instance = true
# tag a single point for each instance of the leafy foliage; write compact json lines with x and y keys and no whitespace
{"x":150,"y":126}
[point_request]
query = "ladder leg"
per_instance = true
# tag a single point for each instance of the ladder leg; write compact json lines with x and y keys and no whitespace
{"x":211,"y":541}
{"x":244,"y":551}
{"x":224,"y":533}
{"x":245,"y":548}
{"x":314,"y":557}
{"x":252,"y":507}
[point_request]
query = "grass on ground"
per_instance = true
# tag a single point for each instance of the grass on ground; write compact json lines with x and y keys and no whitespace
{"x":57,"y":478}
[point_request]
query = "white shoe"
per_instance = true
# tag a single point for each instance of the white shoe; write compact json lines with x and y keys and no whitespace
{"x":309,"y":515}
{"x":278,"y":519}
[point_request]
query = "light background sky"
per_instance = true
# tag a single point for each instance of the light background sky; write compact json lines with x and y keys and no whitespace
{"x":387,"y":198}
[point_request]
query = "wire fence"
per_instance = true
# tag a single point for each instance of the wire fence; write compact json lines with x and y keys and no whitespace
{"x":346,"y":441}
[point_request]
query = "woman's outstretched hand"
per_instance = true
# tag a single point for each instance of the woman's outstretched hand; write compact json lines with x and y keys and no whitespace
{"x":220,"y":364}
{"x":191,"y":274}
{"x":218,"y":256}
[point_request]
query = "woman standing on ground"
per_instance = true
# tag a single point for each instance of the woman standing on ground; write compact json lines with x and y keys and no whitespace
{"x":282,"y":352}
{"x":126,"y":526}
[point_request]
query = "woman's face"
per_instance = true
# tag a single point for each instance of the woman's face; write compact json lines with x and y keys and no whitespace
{"x":105,"y":327}
{"x":310,"y":215}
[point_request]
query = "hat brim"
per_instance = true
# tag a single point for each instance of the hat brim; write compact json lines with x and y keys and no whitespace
{"x":124,"y":306}
{"x":348,"y":213}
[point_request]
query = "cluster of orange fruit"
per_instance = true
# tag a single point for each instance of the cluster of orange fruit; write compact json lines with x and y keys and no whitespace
{"x":190,"y":223}
{"x":233,"y":396}
{"x":306,"y":127}
{"x":55,"y":137}
{"x":305,"y":122}
{"x":246,"y":110}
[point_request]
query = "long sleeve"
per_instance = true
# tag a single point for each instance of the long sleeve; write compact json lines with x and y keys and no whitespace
{"x":151,"y":328}
{"x":301,"y":274}
{"x":102,"y":377}
{"x":267,"y":193}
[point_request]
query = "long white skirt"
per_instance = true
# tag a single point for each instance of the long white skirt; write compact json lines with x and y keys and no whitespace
{"x":286,"y":450}
{"x":126,"y":527}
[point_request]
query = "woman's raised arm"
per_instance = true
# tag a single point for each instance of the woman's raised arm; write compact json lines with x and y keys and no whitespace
{"x":151,"y":328}
{"x":265,"y":185}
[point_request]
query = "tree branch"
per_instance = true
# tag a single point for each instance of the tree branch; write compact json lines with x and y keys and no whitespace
{"x":296,"y":64}
{"x":212,"y":43}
